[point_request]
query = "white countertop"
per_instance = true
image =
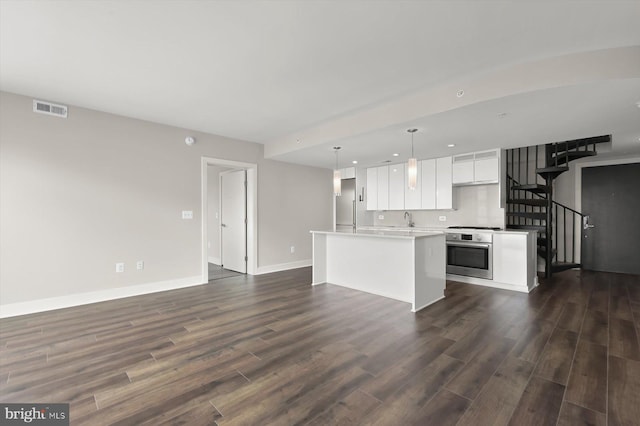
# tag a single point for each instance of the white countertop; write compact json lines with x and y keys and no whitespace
{"x":443,"y":229}
{"x":386,"y":233}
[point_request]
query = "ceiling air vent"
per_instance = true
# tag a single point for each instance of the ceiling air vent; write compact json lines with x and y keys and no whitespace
{"x":48,"y":108}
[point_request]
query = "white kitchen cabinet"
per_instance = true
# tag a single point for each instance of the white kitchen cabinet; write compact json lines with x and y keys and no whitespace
{"x":413,"y":197}
{"x":428,"y":184}
{"x":462,"y":169}
{"x":514,"y":260}
{"x":387,"y":186}
{"x":436,"y":188}
{"x":444,"y":187}
{"x":348,"y":173}
{"x":372,"y":188}
{"x":397,"y":184}
{"x":476,"y":168}
{"x":378,"y":188}
{"x":383,"y":188}
{"x":486,"y":167}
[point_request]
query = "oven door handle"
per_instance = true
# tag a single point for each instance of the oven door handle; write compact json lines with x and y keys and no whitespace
{"x":469,"y":245}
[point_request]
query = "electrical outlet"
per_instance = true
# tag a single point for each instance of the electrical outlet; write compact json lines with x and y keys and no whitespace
{"x":442,"y":218}
{"x":380,"y":217}
{"x":187,"y":214}
{"x":140,"y":265}
{"x":293,"y":249}
{"x":120,"y":267}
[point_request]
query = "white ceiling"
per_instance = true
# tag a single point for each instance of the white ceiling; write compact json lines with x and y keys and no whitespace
{"x":277,"y":71}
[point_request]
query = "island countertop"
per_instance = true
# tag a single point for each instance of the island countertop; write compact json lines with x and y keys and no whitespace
{"x":385,"y":233}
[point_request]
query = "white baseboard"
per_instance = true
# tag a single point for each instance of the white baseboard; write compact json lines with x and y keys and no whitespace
{"x":214,"y":260}
{"x":491,"y":283}
{"x":428,"y":304}
{"x":283,"y":266}
{"x":49,"y":304}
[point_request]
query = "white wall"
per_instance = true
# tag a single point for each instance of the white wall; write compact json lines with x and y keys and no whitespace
{"x":292,"y":200}
{"x":477,"y":205}
{"x":79,"y":194}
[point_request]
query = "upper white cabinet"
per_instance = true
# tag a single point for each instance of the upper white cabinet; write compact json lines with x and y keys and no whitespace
{"x":487,"y":166}
{"x":378,"y":188}
{"x":397,"y":183}
{"x":444,"y":190}
{"x":413,"y":197}
{"x":372,"y":188}
{"x":348,"y":173}
{"x":437,"y":191}
{"x":383,"y":188}
{"x":428,"y":184}
{"x":476,"y":168}
{"x":462,"y":169}
{"x":387,"y":186}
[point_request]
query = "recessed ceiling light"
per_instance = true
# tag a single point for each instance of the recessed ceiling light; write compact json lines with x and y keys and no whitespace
{"x":460,"y":93}
{"x":395,"y":154}
{"x":297,"y":140}
{"x":354,"y":162}
{"x":451,"y":145}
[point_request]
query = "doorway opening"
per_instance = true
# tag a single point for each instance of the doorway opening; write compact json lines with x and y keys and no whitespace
{"x":229,"y":220}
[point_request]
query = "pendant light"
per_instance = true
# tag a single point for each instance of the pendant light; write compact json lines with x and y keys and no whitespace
{"x":412,"y":166}
{"x":337,"y":179}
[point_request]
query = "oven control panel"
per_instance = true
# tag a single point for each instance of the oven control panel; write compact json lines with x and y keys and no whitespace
{"x":476,"y":237}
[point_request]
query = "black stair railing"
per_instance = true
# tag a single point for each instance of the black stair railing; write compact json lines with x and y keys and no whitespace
{"x":566,"y":222}
{"x":531,"y":172}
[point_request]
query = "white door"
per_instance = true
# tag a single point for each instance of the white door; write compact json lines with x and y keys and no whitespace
{"x":233,"y":225}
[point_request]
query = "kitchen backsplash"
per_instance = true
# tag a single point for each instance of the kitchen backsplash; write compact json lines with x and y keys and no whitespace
{"x":477,"y":205}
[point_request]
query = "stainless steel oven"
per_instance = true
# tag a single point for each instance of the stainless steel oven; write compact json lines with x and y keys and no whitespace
{"x":470,"y":254}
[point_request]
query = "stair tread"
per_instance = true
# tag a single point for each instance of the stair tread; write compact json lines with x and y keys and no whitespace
{"x":529,"y":201}
{"x":572,"y":144}
{"x":552,"y":169}
{"x":534,"y":187}
{"x":565,"y":157}
{"x":531,"y":227}
{"x":530,"y":215}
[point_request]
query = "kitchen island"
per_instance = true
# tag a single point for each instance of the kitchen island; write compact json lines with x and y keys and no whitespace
{"x":404,"y":265}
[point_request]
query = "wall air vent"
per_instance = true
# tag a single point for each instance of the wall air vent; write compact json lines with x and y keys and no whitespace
{"x":48,"y":108}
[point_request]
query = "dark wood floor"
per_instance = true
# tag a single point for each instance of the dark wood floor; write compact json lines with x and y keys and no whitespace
{"x":273,"y":350}
{"x":216,"y":272}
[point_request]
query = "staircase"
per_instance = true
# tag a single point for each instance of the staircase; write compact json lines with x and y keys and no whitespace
{"x":530,"y":205}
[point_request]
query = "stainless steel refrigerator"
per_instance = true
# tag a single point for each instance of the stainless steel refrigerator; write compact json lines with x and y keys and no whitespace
{"x":346,"y":206}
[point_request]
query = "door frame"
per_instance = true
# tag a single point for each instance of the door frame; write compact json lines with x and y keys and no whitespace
{"x":578,"y":188}
{"x":252,"y":209}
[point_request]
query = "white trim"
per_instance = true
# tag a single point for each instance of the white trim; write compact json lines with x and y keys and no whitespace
{"x":214,"y":260}
{"x":491,"y":283}
{"x":428,"y":304}
{"x":252,"y":209}
{"x":49,"y":304}
{"x":283,"y":266}
{"x":578,"y":188}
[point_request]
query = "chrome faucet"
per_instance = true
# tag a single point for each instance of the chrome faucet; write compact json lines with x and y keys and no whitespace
{"x":407,"y":217}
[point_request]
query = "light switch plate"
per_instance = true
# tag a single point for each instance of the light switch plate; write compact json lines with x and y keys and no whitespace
{"x":120,"y":267}
{"x":187,"y":214}
{"x":140,"y":265}
{"x":442,"y":218}
{"x":380,"y":216}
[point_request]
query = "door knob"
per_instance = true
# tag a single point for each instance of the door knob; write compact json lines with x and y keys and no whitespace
{"x":586,"y":224}
{"x":223,"y":225}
